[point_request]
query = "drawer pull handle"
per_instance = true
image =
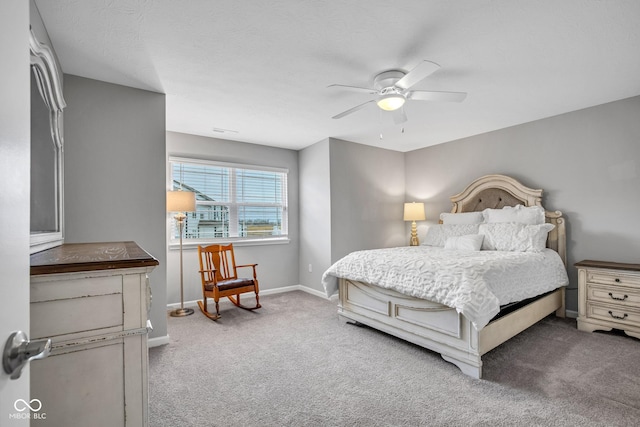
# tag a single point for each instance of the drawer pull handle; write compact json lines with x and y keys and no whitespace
{"x":617,"y":280}
{"x":618,"y":317}
{"x":617,"y":298}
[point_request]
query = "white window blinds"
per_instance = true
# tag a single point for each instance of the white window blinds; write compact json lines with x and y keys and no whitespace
{"x":232,"y":201}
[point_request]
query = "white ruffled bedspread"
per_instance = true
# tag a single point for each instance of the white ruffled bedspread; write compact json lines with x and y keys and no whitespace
{"x":475,"y":283}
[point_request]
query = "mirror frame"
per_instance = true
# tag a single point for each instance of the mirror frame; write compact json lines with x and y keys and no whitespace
{"x":49,"y":80}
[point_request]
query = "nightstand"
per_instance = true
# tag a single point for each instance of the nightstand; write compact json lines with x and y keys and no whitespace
{"x":609,"y":296}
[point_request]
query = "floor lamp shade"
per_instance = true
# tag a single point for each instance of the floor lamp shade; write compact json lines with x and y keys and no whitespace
{"x":181,"y":201}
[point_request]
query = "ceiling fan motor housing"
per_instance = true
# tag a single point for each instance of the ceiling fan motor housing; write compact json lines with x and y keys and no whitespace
{"x":387,"y":80}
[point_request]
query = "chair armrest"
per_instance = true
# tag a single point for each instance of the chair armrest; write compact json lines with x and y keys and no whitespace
{"x":212,"y":274}
{"x":249,"y":265}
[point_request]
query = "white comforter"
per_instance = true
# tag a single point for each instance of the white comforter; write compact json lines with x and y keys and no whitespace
{"x":475,"y":283}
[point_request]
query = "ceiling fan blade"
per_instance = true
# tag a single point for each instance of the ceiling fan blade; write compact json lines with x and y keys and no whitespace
{"x":355,"y":88}
{"x":399,"y":116}
{"x":421,"y":71}
{"x":423,"y":95}
{"x":352,"y":110}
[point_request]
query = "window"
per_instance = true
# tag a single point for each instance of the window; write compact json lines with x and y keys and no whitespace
{"x":233,"y":202}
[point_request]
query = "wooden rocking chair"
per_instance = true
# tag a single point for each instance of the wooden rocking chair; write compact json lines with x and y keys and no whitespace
{"x":218,"y":271}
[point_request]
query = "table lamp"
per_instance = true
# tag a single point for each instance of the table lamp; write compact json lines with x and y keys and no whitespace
{"x":414,"y":212}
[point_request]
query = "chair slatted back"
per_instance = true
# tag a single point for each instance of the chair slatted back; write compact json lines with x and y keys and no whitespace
{"x":218,"y":257}
{"x":226,"y":263}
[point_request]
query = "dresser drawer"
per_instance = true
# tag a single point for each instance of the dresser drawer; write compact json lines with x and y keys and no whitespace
{"x":612,"y":314}
{"x":613,"y":278}
{"x":79,"y":306}
{"x":54,"y":318}
{"x":51,"y":288}
{"x":618,"y":295}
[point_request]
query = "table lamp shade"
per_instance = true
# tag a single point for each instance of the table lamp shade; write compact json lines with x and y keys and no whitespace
{"x":414,"y":211}
{"x":181,"y":201}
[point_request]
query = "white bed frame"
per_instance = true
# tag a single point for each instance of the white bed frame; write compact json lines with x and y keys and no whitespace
{"x":440,"y":328}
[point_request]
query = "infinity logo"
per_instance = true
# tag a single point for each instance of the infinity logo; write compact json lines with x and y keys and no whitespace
{"x":24,"y":405}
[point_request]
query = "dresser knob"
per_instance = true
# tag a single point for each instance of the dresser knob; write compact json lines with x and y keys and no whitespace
{"x":618,"y":298}
{"x":618,"y":317}
{"x":617,"y":280}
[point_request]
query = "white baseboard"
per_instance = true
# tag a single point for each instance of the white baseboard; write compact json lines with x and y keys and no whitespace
{"x":158,"y":341}
{"x":571,"y":314}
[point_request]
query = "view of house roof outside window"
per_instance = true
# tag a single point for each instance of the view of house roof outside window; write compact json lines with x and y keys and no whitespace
{"x":232,"y":202}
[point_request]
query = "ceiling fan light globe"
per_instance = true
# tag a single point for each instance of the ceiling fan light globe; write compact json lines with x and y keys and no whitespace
{"x":391,"y":102}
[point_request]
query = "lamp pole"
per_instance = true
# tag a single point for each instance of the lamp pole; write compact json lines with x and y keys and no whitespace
{"x":181,"y":311}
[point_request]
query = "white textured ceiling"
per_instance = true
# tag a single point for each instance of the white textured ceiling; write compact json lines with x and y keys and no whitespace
{"x":262,"y":67}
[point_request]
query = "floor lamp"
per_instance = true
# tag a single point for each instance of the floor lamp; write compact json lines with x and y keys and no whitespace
{"x":181,"y":202}
{"x":414,"y":212}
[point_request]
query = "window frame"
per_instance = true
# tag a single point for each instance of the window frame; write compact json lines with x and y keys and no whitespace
{"x":237,"y":241}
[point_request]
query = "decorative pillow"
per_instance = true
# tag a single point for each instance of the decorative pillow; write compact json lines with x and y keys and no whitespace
{"x":521,"y":214}
{"x":437,"y":234}
{"x":514,"y":237}
{"x":469,"y":242}
{"x":462,"y":218}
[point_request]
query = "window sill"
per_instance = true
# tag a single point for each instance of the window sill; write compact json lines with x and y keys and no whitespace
{"x":175,"y":245}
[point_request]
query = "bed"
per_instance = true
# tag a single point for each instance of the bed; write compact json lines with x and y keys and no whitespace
{"x":457,"y":333}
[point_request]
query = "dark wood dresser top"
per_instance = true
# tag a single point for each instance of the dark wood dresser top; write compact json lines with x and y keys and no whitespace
{"x":73,"y":257}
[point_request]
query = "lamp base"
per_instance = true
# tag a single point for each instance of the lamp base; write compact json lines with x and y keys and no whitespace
{"x":414,"y":235}
{"x":181,"y":312}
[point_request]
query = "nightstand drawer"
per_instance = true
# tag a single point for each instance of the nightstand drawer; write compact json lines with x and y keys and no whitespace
{"x":613,"y":278}
{"x":618,"y":295}
{"x":612,"y":314}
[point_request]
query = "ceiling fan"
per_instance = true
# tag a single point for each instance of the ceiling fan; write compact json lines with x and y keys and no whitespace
{"x":392,"y":90}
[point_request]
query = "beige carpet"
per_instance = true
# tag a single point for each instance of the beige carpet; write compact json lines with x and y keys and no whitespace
{"x":293,"y":363}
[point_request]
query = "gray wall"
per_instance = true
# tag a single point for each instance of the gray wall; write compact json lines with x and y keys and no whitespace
{"x":352,"y":198}
{"x":315,"y":213}
{"x":367,"y":198}
{"x":115,"y":165}
{"x":277,"y":264}
{"x":587,"y":163}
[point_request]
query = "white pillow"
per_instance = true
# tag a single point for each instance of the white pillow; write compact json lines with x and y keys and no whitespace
{"x":462,"y":218}
{"x":437,"y":234}
{"x":510,"y":236}
{"x":521,"y":214}
{"x":469,"y":242}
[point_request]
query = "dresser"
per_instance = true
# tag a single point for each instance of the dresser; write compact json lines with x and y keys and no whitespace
{"x":609,"y":296}
{"x":92,"y":300}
